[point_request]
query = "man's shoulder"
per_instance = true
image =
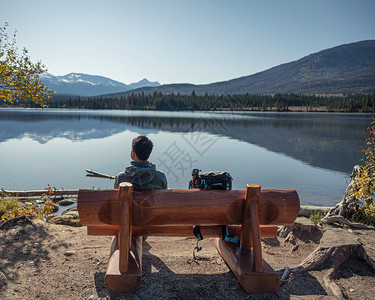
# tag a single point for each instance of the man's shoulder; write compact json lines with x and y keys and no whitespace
{"x":121,"y":174}
{"x":161,"y":174}
{"x":162,"y":179}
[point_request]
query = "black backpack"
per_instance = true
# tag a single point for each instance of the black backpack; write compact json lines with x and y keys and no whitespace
{"x":217,"y":180}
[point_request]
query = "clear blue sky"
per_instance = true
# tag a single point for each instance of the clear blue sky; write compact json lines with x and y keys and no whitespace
{"x":175,"y":41}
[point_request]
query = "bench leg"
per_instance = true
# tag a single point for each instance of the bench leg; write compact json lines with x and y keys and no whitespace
{"x":125,"y":199}
{"x":127,"y":282}
{"x":241,"y":264}
{"x":246,"y":261}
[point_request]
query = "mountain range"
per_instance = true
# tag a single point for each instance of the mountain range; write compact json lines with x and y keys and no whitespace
{"x":349,"y":69}
{"x":89,"y":85}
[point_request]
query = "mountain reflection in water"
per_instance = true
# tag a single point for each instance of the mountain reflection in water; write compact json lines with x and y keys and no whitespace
{"x":329,"y":141}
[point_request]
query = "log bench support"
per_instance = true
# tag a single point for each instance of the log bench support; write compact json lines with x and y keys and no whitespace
{"x":246,"y":261}
{"x":129,"y":281}
{"x":124,"y":272}
{"x":128,"y":215}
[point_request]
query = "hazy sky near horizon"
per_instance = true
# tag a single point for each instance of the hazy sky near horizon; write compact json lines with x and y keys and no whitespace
{"x":181,"y":41}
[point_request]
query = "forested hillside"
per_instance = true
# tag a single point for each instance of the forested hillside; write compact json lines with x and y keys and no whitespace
{"x":173,"y":102}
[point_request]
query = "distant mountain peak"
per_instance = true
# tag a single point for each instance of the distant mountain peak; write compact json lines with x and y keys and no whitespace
{"x":89,"y":85}
{"x":46,"y":75}
{"x":144,"y":83}
{"x":143,"y":80}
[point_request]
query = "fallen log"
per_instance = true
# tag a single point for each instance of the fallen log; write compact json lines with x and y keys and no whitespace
{"x":34,"y":193}
{"x":307,"y":210}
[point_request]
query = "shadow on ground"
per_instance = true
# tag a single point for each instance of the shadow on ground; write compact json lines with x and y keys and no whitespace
{"x":160,"y":282}
{"x":21,"y":248}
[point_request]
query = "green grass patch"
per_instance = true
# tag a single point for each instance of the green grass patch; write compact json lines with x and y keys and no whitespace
{"x":316,"y":217}
{"x":8,"y":204}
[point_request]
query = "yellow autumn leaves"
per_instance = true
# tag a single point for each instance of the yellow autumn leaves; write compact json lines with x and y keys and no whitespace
{"x":12,"y":208}
{"x":19,"y":76}
{"x":364,"y":189}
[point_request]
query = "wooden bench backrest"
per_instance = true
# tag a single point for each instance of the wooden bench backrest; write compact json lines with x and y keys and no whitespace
{"x":186,"y":207}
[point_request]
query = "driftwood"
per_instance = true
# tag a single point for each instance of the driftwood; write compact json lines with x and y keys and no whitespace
{"x":344,"y":209}
{"x":336,"y":218}
{"x":336,"y":247}
{"x":348,"y":202}
{"x":92,"y":173}
{"x":307,"y":210}
{"x":34,"y":193}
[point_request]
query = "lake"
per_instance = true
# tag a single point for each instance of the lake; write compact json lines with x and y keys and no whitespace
{"x":313,"y":153}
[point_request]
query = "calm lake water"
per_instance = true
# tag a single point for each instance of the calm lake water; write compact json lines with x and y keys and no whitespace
{"x":312,"y":153}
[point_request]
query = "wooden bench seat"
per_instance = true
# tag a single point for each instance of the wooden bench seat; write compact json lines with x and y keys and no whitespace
{"x":128,"y":215}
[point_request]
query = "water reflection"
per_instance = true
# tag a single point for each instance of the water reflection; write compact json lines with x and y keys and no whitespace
{"x":330,"y":141}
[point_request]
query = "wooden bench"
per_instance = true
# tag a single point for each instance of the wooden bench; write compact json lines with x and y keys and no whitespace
{"x":129,"y":215}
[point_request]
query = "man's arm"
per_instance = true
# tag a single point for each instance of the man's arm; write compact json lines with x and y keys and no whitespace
{"x":165,"y":185}
{"x":116,"y":184}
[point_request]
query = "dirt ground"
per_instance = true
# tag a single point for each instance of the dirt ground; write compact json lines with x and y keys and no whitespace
{"x":48,"y":261}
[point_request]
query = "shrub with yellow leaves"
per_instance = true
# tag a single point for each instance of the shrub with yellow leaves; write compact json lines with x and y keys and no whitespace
{"x":19,"y":77}
{"x":364,"y":188}
{"x":13,"y":208}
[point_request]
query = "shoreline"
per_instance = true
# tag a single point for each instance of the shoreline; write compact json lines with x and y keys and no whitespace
{"x":292,"y":109}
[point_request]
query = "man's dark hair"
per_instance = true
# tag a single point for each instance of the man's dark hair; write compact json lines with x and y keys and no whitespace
{"x":142,"y":146}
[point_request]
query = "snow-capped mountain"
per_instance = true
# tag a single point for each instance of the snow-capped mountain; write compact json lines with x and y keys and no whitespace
{"x":89,"y":85}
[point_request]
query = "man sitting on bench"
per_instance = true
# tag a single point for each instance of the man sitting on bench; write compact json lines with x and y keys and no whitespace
{"x":141,"y":173}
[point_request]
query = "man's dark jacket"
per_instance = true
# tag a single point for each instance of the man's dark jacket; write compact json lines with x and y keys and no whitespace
{"x":143,"y":175}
